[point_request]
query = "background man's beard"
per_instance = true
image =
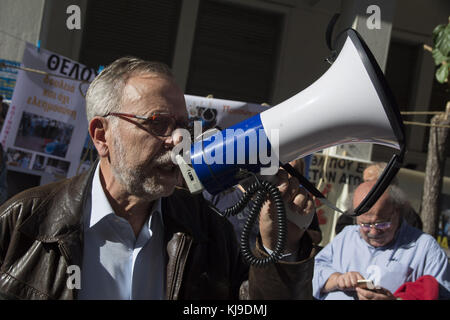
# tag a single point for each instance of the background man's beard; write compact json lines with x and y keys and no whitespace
{"x":139,"y":180}
{"x":380,"y":240}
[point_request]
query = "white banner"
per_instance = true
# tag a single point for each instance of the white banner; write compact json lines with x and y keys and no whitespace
{"x":218,"y":112}
{"x":46,"y":127}
{"x":336,"y":178}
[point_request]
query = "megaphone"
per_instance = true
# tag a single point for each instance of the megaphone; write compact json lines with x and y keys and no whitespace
{"x":350,"y":103}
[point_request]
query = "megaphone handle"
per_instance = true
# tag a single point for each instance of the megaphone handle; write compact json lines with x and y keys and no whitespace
{"x":302,"y":221}
{"x":303,"y":181}
{"x":309,"y":186}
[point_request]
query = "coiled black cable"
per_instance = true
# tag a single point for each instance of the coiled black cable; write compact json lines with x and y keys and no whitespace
{"x":261,"y":190}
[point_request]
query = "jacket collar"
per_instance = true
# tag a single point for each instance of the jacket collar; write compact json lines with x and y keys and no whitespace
{"x":60,"y":214}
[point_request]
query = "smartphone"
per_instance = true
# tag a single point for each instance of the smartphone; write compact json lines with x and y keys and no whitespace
{"x":365,"y":284}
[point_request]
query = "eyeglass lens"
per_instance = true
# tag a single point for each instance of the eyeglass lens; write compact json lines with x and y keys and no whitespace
{"x":378,"y":226}
{"x":161,"y":125}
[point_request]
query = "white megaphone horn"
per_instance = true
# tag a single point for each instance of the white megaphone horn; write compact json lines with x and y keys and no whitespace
{"x":350,"y":103}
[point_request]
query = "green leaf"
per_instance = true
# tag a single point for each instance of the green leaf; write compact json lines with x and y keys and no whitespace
{"x":441,"y":38}
{"x":438,"y":56}
{"x":437,"y":30}
{"x":442,"y":73}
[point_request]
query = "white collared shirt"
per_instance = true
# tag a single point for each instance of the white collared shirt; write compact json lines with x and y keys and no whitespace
{"x":116,"y":265}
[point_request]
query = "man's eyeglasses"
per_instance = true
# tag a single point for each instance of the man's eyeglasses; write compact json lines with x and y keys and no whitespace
{"x":379,"y":226}
{"x":159,"y":123}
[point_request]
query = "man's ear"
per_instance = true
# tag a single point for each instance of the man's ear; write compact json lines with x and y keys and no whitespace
{"x":97,"y":131}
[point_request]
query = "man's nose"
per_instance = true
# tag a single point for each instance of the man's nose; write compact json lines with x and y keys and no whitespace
{"x":175,"y":138}
{"x":374,"y":231}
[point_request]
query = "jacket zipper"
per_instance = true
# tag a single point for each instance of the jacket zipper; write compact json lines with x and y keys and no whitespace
{"x":64,"y":252}
{"x":181,"y":257}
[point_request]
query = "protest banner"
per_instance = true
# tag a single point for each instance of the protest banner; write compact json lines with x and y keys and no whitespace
{"x":8,"y":77}
{"x":220,"y":113}
{"x":336,"y":178}
{"x":46,"y":127}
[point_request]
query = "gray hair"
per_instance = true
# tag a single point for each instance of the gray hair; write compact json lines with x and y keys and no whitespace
{"x":397,"y":198}
{"x":105,"y":92}
{"x":379,"y":167}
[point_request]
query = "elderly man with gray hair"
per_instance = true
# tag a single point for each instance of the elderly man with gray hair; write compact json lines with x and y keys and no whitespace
{"x":381,"y":247}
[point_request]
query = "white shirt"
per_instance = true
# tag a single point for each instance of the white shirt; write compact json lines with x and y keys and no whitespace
{"x":116,"y":265}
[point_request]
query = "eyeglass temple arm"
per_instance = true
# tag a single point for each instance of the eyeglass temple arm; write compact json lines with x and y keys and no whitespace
{"x":127,"y":115}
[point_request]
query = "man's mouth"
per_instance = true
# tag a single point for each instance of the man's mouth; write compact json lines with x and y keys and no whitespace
{"x":376,"y":239}
{"x":168,"y":168}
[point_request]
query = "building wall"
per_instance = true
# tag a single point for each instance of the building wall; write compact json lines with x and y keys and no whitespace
{"x":20,"y":20}
{"x":302,"y":58}
{"x":414,"y":22}
{"x":55,"y":35}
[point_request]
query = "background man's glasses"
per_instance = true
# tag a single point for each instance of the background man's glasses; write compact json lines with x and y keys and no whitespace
{"x":379,"y":226}
{"x":159,"y":123}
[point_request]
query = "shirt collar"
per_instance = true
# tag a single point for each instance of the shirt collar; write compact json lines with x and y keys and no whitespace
{"x":101,"y":207}
{"x":100,"y":204}
{"x":156,"y":211}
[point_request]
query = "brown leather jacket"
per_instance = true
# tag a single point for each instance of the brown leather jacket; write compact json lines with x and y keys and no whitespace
{"x":41,"y":234}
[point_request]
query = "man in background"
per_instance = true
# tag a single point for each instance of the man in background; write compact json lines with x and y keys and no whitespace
{"x":382,"y":247}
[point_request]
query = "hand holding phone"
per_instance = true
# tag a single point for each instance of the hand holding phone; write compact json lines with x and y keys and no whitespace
{"x":365,"y":284}
{"x":372,"y":292}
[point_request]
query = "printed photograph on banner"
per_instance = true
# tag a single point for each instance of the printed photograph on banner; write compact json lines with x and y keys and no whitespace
{"x":39,"y":163}
{"x":208,"y":116}
{"x":43,"y":135}
{"x":88,"y":155}
{"x":18,"y":158}
{"x":56,"y":167}
{"x":213,"y":112}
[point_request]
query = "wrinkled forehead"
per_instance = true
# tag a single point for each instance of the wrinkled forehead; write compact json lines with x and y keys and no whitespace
{"x":153,"y":92}
{"x":382,"y":210}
